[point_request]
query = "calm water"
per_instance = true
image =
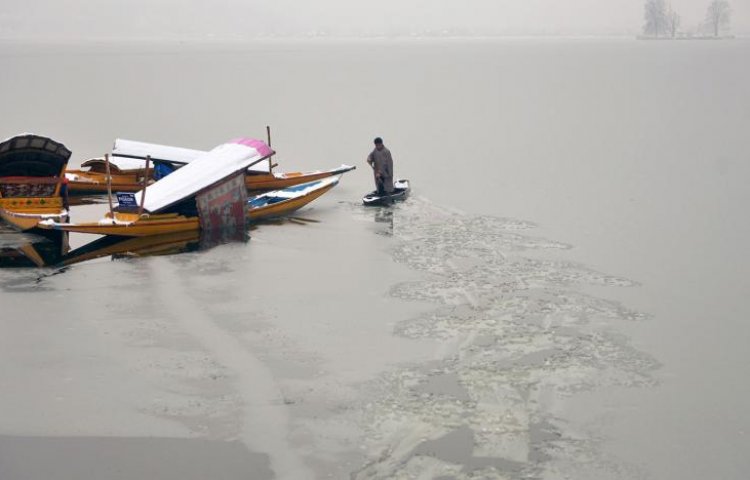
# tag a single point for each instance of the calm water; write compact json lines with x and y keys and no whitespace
{"x":564,"y":296}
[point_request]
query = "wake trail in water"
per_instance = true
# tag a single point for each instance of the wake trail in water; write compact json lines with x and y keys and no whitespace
{"x":521,"y":339}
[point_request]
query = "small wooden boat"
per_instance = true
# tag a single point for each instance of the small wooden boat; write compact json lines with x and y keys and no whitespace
{"x":91,"y":178}
{"x":127,"y":169}
{"x":287,"y":200}
{"x":256,"y":181}
{"x":401,"y":189}
{"x":31,"y":180}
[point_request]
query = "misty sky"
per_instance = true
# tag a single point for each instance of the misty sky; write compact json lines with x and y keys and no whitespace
{"x":243,"y":18}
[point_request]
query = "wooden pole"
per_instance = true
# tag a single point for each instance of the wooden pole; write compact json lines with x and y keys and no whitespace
{"x":109,"y":188}
{"x":145,"y":184}
{"x":268,"y":134}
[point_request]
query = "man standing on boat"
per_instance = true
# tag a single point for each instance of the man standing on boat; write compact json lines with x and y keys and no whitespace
{"x":381,"y":161}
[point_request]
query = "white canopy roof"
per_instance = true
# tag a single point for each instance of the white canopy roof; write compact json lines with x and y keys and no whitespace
{"x":203,"y":171}
{"x":140,"y":150}
{"x":134,"y":149}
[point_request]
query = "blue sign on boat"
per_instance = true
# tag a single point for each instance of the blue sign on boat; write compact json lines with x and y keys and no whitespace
{"x":126,"y":200}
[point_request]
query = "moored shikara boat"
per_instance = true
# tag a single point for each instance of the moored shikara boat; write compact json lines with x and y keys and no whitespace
{"x":128,"y":168}
{"x":91,"y":178}
{"x":278,"y":180}
{"x":287,"y":200}
{"x":31,"y":180}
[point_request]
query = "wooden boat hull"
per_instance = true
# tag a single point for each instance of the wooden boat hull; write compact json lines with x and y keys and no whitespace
{"x":401,"y":190}
{"x":277,"y":181}
{"x":123,"y":226}
{"x":283,"y":202}
{"x":88,"y":183}
{"x":94,"y":180}
{"x":25,"y":213}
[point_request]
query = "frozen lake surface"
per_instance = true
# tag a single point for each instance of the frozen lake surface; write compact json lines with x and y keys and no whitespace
{"x":563,"y":296}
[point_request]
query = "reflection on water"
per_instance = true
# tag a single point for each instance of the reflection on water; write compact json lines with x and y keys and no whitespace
{"x":31,"y":249}
{"x":281,"y":221}
{"x":384,"y":216}
{"x":49,"y":248}
{"x":19,"y":250}
{"x":169,"y":244}
{"x":127,"y":247}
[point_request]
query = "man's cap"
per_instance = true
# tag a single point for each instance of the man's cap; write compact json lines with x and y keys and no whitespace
{"x":378,"y":141}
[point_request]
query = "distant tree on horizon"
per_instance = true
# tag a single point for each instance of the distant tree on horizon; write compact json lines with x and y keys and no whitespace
{"x":655,"y":14}
{"x":673,"y":20}
{"x":718,"y":15}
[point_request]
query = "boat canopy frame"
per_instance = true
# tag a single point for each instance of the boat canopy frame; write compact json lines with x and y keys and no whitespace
{"x":30,"y":155}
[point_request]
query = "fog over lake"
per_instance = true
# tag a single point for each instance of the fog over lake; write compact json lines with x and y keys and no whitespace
{"x":234,"y":19}
{"x":564,"y":295}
